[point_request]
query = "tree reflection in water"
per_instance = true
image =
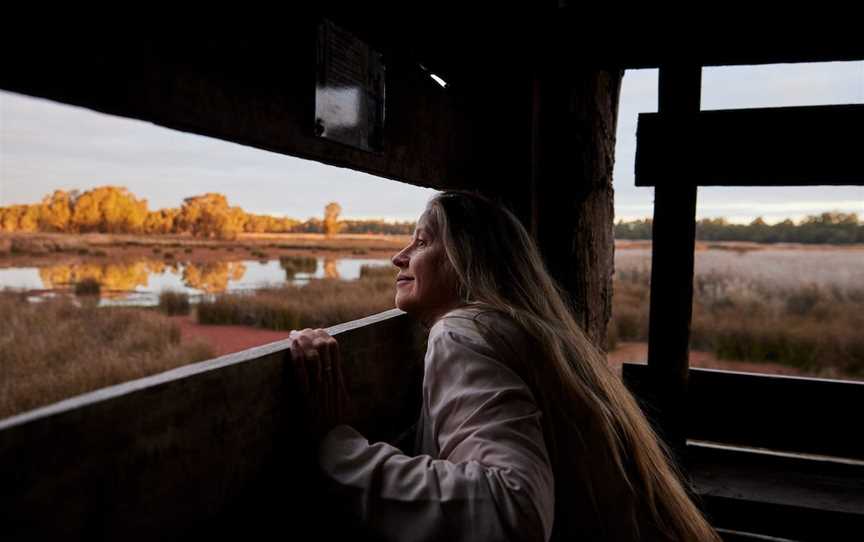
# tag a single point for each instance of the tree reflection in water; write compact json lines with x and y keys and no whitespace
{"x":330,"y":269}
{"x":111,"y":276}
{"x":212,"y":277}
{"x":119,"y":278}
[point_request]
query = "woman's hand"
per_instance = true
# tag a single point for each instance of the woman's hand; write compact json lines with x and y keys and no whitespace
{"x":318,"y":370}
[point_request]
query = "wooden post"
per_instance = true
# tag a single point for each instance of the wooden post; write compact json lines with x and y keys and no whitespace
{"x":672,"y":260}
{"x":574,"y":116}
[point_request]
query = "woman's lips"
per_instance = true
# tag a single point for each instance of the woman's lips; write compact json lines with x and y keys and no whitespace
{"x":400,"y":282}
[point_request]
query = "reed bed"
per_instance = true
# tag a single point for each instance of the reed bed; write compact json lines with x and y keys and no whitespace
{"x":320,"y":303}
{"x":813,"y":323}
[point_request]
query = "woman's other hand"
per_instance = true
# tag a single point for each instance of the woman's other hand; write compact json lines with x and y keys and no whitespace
{"x":318,"y":370}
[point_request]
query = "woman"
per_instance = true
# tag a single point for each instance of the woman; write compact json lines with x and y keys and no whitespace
{"x":524,"y":433}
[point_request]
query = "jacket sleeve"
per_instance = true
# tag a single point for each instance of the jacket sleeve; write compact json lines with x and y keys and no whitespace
{"x":491,"y":480}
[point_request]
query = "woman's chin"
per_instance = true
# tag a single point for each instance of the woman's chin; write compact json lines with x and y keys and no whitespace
{"x":405,"y":305}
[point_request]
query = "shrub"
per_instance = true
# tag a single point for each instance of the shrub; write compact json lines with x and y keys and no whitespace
{"x":88,"y":287}
{"x":320,"y":303}
{"x":173,"y":303}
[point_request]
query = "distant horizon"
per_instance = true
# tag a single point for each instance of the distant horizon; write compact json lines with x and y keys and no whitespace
{"x":731,"y":219}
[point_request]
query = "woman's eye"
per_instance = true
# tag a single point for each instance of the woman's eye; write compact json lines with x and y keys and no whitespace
{"x":421,"y":242}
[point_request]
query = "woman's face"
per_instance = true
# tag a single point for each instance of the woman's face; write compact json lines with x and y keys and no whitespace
{"x":426,"y":286}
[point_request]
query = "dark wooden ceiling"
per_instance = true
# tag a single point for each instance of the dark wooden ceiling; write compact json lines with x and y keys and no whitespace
{"x":253,"y":84}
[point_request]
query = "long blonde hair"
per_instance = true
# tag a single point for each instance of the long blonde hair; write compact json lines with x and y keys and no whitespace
{"x":500,"y":268}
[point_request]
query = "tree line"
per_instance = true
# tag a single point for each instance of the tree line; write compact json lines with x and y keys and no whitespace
{"x":114,"y":209}
{"x":825,"y":228}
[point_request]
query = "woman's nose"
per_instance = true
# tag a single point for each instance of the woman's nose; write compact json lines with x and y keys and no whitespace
{"x":400,"y":259}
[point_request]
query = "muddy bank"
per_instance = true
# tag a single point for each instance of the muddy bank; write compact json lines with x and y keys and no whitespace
{"x":41,"y":249}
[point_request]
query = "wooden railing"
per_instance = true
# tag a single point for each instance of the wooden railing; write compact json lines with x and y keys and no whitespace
{"x":771,"y":454}
{"x":212,"y":449}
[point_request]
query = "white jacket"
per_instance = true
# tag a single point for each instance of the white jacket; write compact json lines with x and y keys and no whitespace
{"x":483,"y":472}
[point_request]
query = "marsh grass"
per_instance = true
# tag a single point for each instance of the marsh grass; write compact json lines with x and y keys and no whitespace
{"x":815,"y":327}
{"x":57,"y":349}
{"x":320,"y":303}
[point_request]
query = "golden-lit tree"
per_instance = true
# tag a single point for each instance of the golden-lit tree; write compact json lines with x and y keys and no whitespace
{"x":113,"y":209}
{"x":331,"y":218}
{"x":109,"y":209}
{"x":7,"y":221}
{"x":161,"y":221}
{"x":209,"y":215}
{"x":56,"y":212}
{"x":257,"y":224}
{"x":19,"y":218}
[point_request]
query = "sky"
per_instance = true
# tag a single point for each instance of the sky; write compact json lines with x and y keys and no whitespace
{"x":45,"y":146}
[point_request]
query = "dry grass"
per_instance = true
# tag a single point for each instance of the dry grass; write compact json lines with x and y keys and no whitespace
{"x":320,"y":303}
{"x":815,"y":328}
{"x":764,"y":315}
{"x":56,"y":349}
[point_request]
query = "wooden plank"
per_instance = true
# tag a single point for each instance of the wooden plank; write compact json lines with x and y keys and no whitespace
{"x":783,"y":523}
{"x":795,"y":498}
{"x":674,"y":231}
{"x":216,"y":447}
{"x":793,"y":414}
{"x":784,"y":146}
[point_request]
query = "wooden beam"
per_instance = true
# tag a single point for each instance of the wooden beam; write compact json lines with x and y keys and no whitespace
{"x":258,"y":91}
{"x":787,"y":146}
{"x":768,"y":410}
{"x":212,"y":448}
{"x":672,"y":252}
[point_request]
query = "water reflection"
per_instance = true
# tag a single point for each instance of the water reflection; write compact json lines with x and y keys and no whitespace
{"x":112,"y":276}
{"x":330,"y":269}
{"x":139,"y":282}
{"x":212,"y":277}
